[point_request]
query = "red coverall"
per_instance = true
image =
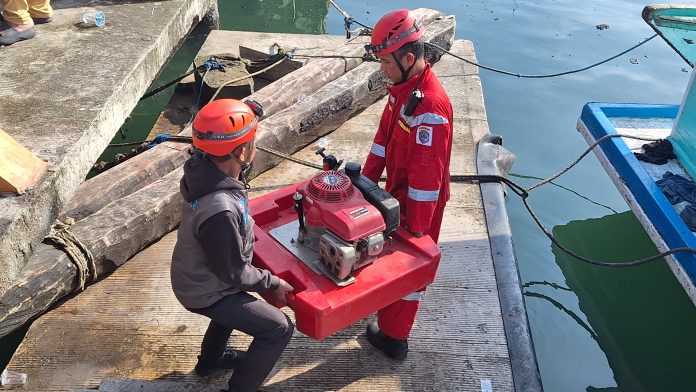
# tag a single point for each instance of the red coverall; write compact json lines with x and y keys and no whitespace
{"x":416,"y":152}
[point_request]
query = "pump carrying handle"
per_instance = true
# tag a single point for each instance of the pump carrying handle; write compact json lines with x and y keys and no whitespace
{"x":329,"y":161}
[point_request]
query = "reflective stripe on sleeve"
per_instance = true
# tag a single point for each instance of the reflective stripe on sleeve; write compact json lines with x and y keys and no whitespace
{"x":421,"y":195}
{"x":415,"y":296}
{"x":378,"y":150}
{"x":425,"y":118}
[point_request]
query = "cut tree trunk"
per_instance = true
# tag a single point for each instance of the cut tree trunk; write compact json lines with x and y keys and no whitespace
{"x":113,"y":235}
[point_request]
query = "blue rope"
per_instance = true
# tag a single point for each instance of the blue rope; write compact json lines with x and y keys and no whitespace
{"x":209,"y":66}
{"x":213,"y":64}
{"x":161,"y":138}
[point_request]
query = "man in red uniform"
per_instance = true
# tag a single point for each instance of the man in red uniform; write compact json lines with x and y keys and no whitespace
{"x":414,"y":144}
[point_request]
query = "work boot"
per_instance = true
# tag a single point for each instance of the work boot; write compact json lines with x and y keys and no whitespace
{"x":393,"y":348}
{"x":229,"y":360}
{"x":12,"y":35}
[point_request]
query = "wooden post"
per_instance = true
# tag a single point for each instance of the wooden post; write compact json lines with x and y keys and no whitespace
{"x":19,"y":168}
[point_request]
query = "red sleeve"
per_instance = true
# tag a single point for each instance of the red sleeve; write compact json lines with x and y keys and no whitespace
{"x":429,"y":145}
{"x":374,"y":165}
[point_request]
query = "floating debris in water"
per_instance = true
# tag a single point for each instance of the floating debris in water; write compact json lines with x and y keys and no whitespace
{"x":634,"y":61}
{"x":684,"y":70}
{"x":688,"y":41}
{"x":602,"y":26}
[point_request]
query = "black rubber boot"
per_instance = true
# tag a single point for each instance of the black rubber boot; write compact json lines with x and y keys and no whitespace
{"x":393,"y":348}
{"x":229,"y":360}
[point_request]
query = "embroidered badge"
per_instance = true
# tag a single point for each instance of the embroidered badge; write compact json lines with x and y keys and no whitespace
{"x":424,"y":136}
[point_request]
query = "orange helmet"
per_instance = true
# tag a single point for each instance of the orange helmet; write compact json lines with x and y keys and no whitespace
{"x":223,"y":125}
{"x":394,"y":30}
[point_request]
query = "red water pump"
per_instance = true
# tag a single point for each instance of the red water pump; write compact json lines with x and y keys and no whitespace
{"x":337,"y":221}
{"x":336,"y":239}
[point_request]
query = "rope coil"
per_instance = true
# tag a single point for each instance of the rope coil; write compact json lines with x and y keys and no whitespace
{"x":78,"y":253}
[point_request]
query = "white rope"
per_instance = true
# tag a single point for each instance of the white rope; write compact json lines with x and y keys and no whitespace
{"x":76,"y":250}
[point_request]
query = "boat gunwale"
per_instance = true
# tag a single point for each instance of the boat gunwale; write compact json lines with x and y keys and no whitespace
{"x":648,"y":202}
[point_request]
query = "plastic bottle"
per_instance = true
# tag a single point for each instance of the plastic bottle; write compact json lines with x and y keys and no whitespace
{"x":12,"y":380}
{"x":96,"y":18}
{"x":323,"y":142}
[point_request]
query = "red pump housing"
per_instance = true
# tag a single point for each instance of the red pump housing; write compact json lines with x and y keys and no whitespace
{"x":331,"y":201}
{"x":406,"y":264}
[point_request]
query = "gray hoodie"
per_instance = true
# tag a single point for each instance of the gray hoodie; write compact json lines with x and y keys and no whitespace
{"x":212,"y":255}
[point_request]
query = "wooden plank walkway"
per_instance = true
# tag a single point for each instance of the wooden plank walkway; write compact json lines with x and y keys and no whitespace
{"x":129,"y":326}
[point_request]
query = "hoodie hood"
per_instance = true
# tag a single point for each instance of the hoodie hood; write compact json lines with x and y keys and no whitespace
{"x":202,"y":177}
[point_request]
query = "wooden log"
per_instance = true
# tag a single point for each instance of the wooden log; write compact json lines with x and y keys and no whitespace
{"x":125,"y":179}
{"x":285,"y":91}
{"x":116,"y":231}
{"x":114,"y":234}
{"x":322,"y":112}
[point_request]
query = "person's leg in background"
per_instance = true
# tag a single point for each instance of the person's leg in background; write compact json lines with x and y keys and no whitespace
{"x":16,"y":13}
{"x":40,"y":11}
{"x":18,"y":24}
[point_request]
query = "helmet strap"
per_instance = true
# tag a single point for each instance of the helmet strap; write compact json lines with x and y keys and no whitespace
{"x":245,"y":168}
{"x":404,"y":72}
{"x":244,"y":174}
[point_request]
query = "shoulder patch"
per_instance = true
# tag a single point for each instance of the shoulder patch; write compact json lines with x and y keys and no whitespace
{"x":424,"y":136}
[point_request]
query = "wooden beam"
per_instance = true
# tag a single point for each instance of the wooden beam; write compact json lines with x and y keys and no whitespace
{"x":19,"y":168}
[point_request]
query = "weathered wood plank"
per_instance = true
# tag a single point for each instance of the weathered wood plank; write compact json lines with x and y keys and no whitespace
{"x":125,"y":179}
{"x":19,"y":169}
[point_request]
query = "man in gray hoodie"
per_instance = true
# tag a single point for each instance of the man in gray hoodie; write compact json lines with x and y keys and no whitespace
{"x":211,"y":265}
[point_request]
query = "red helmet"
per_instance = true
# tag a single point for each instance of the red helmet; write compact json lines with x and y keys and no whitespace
{"x":393,"y":31}
{"x":222,"y":125}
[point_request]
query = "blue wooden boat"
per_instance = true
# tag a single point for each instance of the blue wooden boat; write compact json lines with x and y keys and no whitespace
{"x":635,"y":179}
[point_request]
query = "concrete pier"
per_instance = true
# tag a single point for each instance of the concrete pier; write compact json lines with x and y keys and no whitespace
{"x":65,"y":93}
{"x":128,"y":332}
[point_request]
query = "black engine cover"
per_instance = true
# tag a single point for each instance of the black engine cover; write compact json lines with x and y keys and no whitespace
{"x":387,"y":205}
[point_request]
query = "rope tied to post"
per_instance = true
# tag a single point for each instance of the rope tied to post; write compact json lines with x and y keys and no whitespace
{"x":78,"y":253}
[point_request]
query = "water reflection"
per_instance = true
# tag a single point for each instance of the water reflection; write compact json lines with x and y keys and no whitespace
{"x":648,"y":342}
{"x":281,"y":16}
